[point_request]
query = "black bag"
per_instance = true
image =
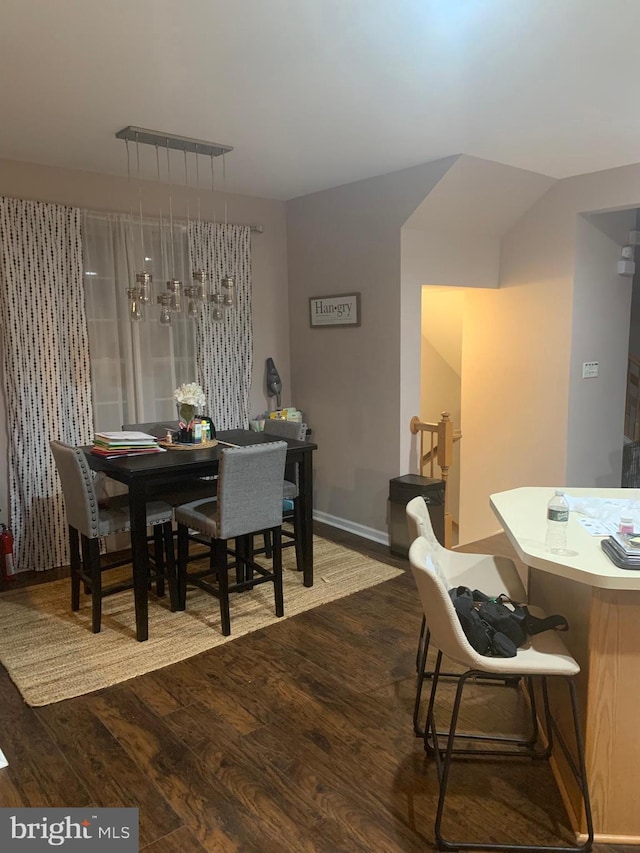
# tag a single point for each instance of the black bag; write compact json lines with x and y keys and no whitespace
{"x":495,"y":629}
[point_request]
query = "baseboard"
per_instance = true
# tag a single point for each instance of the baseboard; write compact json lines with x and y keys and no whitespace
{"x":352,"y":527}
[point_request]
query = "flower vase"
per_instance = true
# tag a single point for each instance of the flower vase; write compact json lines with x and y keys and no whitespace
{"x":185,"y":435}
{"x":186,"y":414}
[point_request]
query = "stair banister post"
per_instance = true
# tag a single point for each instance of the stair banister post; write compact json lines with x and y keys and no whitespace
{"x":445,"y":453}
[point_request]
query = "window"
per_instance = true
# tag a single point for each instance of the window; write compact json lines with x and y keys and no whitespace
{"x":135,"y":367}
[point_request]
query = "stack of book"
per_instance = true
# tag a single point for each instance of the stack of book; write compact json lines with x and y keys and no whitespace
{"x":112,"y":444}
{"x":623,"y":549}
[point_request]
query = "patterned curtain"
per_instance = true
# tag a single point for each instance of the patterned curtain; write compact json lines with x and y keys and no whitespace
{"x":46,"y":367}
{"x":224,"y":350}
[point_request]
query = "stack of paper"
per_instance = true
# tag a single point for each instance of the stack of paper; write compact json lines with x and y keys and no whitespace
{"x":623,"y":549}
{"x":112,"y":444}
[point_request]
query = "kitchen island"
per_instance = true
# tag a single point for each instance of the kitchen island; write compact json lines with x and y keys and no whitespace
{"x":602,"y":605}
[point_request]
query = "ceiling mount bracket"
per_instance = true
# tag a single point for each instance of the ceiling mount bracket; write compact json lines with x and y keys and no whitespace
{"x":170,"y":140}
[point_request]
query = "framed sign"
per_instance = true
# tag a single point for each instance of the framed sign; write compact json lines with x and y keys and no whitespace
{"x":340,"y":310}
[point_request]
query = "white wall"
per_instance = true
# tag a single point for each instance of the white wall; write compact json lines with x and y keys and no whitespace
{"x":448,"y":257}
{"x":268,"y":253}
{"x":519,"y":375}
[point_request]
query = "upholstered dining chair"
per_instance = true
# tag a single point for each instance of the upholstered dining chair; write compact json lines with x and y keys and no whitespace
{"x":290,"y":492}
{"x":88,"y":523}
{"x":493,"y":575}
{"x":249,"y":500}
{"x":543,"y":657}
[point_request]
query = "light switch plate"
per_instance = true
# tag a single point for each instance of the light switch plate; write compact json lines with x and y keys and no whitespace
{"x":589,"y":369}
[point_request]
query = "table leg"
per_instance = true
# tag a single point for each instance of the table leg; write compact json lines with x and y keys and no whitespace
{"x":139,"y":556}
{"x":305,"y":488}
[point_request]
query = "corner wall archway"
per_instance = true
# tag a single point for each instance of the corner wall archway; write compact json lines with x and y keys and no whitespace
{"x":452,"y":244}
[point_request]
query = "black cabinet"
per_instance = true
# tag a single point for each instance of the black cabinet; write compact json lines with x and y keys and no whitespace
{"x":401,"y":491}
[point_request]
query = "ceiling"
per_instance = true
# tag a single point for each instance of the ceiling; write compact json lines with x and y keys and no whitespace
{"x":317,"y":93}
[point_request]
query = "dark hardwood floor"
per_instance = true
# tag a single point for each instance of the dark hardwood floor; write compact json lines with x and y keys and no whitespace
{"x":294,"y":738}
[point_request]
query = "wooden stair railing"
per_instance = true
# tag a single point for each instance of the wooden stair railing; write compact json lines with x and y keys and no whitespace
{"x":632,"y":404}
{"x":442,"y":437}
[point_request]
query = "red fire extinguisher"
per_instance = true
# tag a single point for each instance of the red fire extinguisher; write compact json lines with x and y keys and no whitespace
{"x":6,"y":553}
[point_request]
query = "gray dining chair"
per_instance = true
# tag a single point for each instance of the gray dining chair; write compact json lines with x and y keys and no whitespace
{"x":249,"y":501}
{"x":88,"y":522}
{"x":290,"y":491}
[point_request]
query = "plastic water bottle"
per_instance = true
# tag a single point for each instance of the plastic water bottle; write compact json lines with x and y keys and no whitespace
{"x":557,"y":523}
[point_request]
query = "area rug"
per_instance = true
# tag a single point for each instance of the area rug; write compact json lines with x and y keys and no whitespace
{"x":51,"y":653}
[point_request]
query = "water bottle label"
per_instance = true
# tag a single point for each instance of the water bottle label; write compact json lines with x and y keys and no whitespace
{"x":554,"y":514}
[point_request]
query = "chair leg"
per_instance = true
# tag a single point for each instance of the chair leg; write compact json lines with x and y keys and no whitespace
{"x":446,"y":762}
{"x":91,"y":560}
{"x":277,"y":571}
{"x":158,"y":557}
{"x":170,"y":562}
{"x":76,"y":565}
{"x":423,"y":628}
{"x":422,"y":665}
{"x":219,"y":557}
{"x":443,"y":759}
{"x":268,"y":548}
{"x":244,"y":554}
{"x":183,"y":557}
{"x":581,"y":770}
{"x":247,"y":550}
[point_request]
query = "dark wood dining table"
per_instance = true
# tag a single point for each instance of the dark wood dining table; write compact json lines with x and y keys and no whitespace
{"x":146,"y":475}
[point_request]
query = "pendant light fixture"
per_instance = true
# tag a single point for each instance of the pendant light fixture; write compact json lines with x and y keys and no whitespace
{"x":228,"y":282}
{"x":177,"y":298}
{"x":140,"y":294}
{"x":215,"y":297}
{"x":195,"y":292}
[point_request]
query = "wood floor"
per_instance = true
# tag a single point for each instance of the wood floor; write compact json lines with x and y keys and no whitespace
{"x":294,"y":738}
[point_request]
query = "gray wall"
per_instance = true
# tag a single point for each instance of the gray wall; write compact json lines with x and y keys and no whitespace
{"x":347,"y":381}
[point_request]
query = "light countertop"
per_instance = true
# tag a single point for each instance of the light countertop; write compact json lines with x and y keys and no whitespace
{"x":522,"y":513}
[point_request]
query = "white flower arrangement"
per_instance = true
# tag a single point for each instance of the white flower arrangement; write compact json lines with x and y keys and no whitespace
{"x":191,"y":394}
{"x":189,"y":397}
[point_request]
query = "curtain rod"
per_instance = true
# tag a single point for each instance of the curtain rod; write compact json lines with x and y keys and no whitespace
{"x":255,"y":227}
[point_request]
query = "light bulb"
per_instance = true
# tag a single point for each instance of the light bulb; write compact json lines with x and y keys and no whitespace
{"x":174,"y":286}
{"x":165,"y":316}
{"x":217,"y":314}
{"x":201,"y":277}
{"x":192,"y":309}
{"x":228,"y":290}
{"x":135,"y":307}
{"x":144,"y":281}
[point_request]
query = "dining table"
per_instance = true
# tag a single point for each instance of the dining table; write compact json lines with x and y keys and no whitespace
{"x":146,"y":475}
